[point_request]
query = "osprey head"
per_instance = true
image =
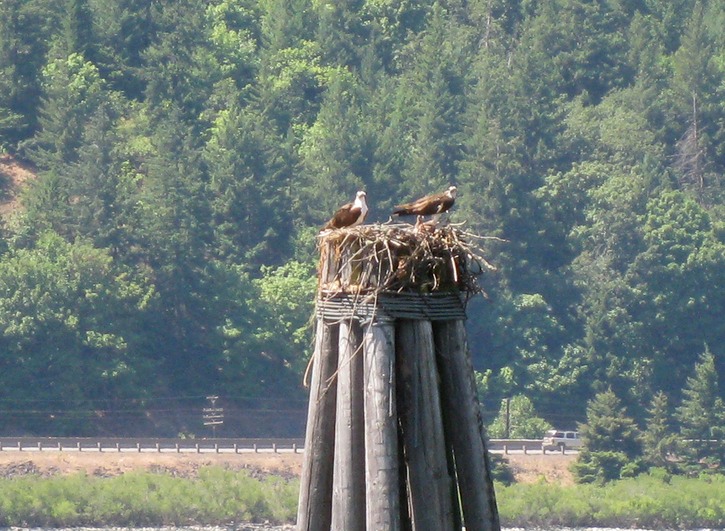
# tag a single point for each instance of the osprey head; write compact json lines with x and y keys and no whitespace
{"x":360,"y":198}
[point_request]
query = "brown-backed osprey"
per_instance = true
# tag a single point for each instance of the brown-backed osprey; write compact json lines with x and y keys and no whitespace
{"x":350,"y":214}
{"x":428,"y":205}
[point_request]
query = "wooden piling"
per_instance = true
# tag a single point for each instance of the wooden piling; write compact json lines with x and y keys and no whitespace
{"x":314,"y":510}
{"x":395,"y":439}
{"x":348,"y":500}
{"x":419,"y":409}
{"x":381,"y":429}
{"x":464,"y":427}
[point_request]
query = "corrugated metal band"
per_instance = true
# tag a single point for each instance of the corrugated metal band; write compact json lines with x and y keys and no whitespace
{"x":391,"y":306}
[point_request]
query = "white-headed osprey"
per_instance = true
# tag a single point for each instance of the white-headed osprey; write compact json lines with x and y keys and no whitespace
{"x":350,"y":214}
{"x":428,"y":205}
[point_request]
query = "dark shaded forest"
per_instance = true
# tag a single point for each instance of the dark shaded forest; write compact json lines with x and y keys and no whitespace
{"x":186,"y":153}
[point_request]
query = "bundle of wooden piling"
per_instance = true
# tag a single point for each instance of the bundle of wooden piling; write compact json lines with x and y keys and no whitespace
{"x":394,"y":434}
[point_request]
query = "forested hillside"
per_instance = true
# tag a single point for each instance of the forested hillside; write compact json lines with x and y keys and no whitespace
{"x":186,"y":153}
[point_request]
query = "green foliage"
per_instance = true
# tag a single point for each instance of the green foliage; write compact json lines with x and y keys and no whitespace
{"x":658,"y":439}
{"x":289,"y":292}
{"x":517,"y":419}
{"x":654,"y":501}
{"x":610,"y":442}
{"x":215,"y":496}
{"x":24,"y":28}
{"x":501,"y":472}
{"x":73,"y":90}
{"x":70,"y":321}
{"x":200,"y":143}
{"x":247,"y":183}
{"x":702,"y":417}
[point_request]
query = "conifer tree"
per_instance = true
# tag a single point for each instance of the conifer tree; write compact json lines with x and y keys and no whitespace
{"x":432,"y":99}
{"x":178,"y":68}
{"x":104,"y":188}
{"x":73,"y":91}
{"x":694,"y":83}
{"x":123,"y":31}
{"x":336,"y":31}
{"x":77,"y":34}
{"x":285,"y":23}
{"x":24,"y":30}
{"x":339,"y":149}
{"x":248,"y":185}
{"x":658,"y":439}
{"x":611,"y":441}
{"x":702,"y":416}
{"x":174,"y":236}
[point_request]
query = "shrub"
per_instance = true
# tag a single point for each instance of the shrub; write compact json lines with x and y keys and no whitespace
{"x":216,"y":496}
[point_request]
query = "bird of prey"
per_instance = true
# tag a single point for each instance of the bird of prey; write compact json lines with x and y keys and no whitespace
{"x":429,"y":205}
{"x":349,"y":214}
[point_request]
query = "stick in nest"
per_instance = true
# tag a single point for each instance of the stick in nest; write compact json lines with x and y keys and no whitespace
{"x":402,"y":257}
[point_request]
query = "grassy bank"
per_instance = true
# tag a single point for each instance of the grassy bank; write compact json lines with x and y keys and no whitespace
{"x":134,"y":499}
{"x":655,"y":501}
{"x":217,"y":496}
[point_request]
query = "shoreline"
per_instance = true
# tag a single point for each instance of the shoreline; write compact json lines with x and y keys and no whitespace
{"x":531,"y":468}
{"x":64,"y":490}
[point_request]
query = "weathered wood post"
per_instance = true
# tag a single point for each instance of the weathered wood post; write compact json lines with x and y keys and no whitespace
{"x":394,"y":435}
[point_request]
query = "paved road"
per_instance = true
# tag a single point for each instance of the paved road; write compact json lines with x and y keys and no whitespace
{"x":226,"y":446}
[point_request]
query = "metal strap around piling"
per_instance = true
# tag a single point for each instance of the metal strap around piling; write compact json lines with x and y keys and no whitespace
{"x":390,"y":306}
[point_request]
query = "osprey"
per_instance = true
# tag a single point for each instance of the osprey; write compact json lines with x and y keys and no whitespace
{"x":428,"y":205}
{"x":350,"y":214}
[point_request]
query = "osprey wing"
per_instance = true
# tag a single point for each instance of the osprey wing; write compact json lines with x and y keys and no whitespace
{"x":425,"y":206}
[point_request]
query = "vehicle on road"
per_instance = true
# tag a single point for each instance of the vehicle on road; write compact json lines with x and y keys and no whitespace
{"x":561,"y":440}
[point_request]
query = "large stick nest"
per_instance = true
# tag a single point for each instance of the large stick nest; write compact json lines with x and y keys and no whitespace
{"x":421,"y":258}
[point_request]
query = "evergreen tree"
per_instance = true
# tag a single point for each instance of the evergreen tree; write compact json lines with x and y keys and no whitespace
{"x":73,"y":91}
{"x":123,"y":31}
{"x":24,"y":30}
{"x":581,"y":37}
{"x":337,"y":148}
{"x":611,"y":446}
{"x":179,"y":70}
{"x":174,"y":240}
{"x":73,"y":94}
{"x":104,"y":188}
{"x":248,"y":185}
{"x":658,"y":439}
{"x":432,"y":93}
{"x":76,"y":34}
{"x":341,"y":31}
{"x":694,"y":81}
{"x":286,"y":24}
{"x":702,"y":416}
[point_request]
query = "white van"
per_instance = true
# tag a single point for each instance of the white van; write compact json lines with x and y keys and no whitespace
{"x":558,"y":440}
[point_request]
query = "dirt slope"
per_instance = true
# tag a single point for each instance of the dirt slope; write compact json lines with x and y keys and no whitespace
{"x":13,"y":176}
{"x":527,"y":468}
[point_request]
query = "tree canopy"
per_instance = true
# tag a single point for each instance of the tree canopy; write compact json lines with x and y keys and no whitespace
{"x":186,"y":153}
